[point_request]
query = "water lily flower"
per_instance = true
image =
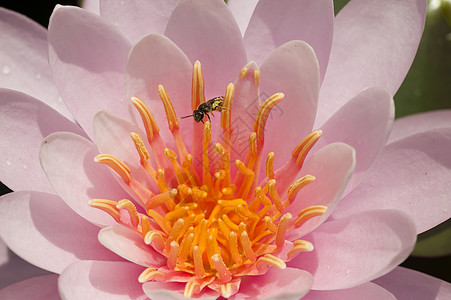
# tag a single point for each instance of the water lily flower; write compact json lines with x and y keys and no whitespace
{"x":286,"y":189}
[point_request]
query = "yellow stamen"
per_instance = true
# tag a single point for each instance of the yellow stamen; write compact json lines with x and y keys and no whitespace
{"x":206,"y":177}
{"x":145,"y":226}
{"x":309,"y":213}
{"x":274,"y":195}
{"x":114,"y":163}
{"x":191,"y":287}
{"x":303,"y":148}
{"x":298,"y":185}
{"x":269,"y":165}
{"x":263,"y":114}
{"x":281,"y":229}
{"x":168,"y":108}
{"x":131,"y":209}
{"x":299,"y":246}
{"x":107,"y":206}
{"x":150,"y":274}
{"x":150,"y":125}
{"x":155,"y":239}
{"x":271,"y":260}
{"x":247,"y":246}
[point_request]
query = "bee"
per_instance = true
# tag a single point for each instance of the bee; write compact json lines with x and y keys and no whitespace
{"x":207,"y":107}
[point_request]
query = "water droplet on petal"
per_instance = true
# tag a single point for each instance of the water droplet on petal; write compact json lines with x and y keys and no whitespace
{"x":59,"y":99}
{"x":24,"y":167}
{"x":6,"y":70}
{"x":8,"y":162}
{"x":38,"y":76}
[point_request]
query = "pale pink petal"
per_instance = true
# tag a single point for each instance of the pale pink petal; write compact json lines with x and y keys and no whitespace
{"x":128,"y":244}
{"x":245,"y":105}
{"x":206,"y":31}
{"x":99,"y":280}
{"x":367,"y":291}
{"x":43,"y":230}
{"x":413,"y":175}
{"x":91,"y":5}
{"x":36,"y":288}
{"x":24,"y":62}
{"x":374,"y":45}
{"x":357,"y":249}
{"x":87,"y":57}
{"x":137,"y":18}
{"x":14,"y":269}
{"x":68,"y":161}
{"x":274,"y":23}
{"x":24,"y":122}
{"x":174,"y":291}
{"x":157,"y":60}
{"x":291,"y":69}
{"x":332,"y":167}
{"x":112,"y":136}
{"x":275,"y":284}
{"x":409,"y":284}
{"x":242,"y":11}
{"x":418,"y":123}
{"x":363,"y":123}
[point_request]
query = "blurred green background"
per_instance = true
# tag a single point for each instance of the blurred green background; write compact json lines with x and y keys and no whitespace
{"x":426,"y":87}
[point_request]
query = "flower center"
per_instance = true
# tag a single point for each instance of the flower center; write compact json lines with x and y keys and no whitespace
{"x":210,"y":224}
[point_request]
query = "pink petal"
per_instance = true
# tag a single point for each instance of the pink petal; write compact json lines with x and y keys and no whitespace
{"x":242,"y":12}
{"x":357,"y":249}
{"x":43,"y":230}
{"x":274,"y":23}
{"x":363,"y":123}
{"x":14,"y":269}
{"x":24,"y":122}
{"x":24,"y":60}
{"x":157,"y":60}
{"x":128,"y":244}
{"x":332,"y":167}
{"x":418,"y":123}
{"x":68,"y":161}
{"x":36,"y":288}
{"x":101,"y":280}
{"x":374,"y":45}
{"x":112,"y":136}
{"x":206,"y":31}
{"x":245,"y":105}
{"x":87,"y":57}
{"x":91,"y":5}
{"x":412,"y":174}
{"x":291,"y":69}
{"x":367,"y":291}
{"x":137,"y":18}
{"x":410,"y":284}
{"x":275,"y":284}
{"x":174,"y":291}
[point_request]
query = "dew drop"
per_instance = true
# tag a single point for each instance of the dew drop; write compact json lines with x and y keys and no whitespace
{"x":8,"y":162}
{"x":24,"y":167}
{"x":59,"y":99}
{"x":348,"y":272}
{"x":38,"y":76}
{"x":6,"y":70}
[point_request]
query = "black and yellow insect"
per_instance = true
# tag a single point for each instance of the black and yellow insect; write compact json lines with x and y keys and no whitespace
{"x":207,"y":107}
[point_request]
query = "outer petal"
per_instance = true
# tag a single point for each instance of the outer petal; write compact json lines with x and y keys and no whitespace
{"x":130,"y":245}
{"x":374,"y":45}
{"x":37,"y":288}
{"x":173,"y":291}
{"x":24,"y":122}
{"x":87,"y":57}
{"x":409,"y":284}
{"x":101,"y":280}
{"x":363,"y":123}
{"x":332,"y":166}
{"x":367,"y":291}
{"x":413,"y":175}
{"x":206,"y":31}
{"x":137,"y":18}
{"x":43,"y":230}
{"x":274,"y":23}
{"x":157,"y":60}
{"x":291,"y":69}
{"x":275,"y":284}
{"x":356,"y":249}
{"x":91,"y":5}
{"x":242,"y":11}
{"x":419,"y":122}
{"x":68,"y":161}
{"x":24,"y":60}
{"x":14,"y":269}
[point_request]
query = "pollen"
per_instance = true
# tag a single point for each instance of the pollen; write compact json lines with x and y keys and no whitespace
{"x":208,"y":215}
